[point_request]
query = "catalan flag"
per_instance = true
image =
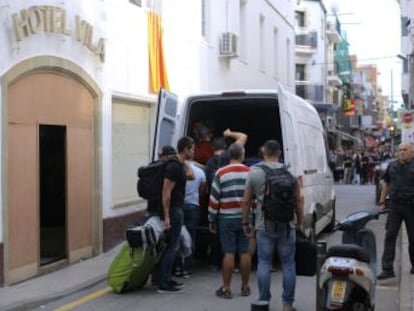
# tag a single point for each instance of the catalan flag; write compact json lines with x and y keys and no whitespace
{"x":157,"y":69}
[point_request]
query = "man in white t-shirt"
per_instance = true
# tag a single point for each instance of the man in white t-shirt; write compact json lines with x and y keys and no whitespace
{"x":191,"y":208}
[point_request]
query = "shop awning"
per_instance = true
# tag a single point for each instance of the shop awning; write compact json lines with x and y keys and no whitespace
{"x":324,"y":107}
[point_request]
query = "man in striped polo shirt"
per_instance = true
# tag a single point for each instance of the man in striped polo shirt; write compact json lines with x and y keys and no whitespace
{"x":225,"y":211}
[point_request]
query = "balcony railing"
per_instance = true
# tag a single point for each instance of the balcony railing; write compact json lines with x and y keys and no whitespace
{"x":310,"y":92}
{"x":333,"y":34}
{"x":309,"y":39}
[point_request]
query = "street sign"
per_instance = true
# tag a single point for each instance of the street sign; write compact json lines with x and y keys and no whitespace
{"x":407,"y":126}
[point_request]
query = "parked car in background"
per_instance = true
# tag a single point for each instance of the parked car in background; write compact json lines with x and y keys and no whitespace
{"x":378,"y":176}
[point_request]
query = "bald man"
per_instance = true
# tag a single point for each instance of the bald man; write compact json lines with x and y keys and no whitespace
{"x":399,"y":185}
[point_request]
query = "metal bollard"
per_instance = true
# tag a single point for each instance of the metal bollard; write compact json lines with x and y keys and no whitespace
{"x":321,"y":247}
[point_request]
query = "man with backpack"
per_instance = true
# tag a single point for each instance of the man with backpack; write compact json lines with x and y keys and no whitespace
{"x":176,"y":174}
{"x":278,"y":197}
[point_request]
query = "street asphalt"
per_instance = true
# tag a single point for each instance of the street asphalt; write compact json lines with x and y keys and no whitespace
{"x":44,"y":289}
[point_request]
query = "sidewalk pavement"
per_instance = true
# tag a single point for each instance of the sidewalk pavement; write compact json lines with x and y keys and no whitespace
{"x":407,"y":279}
{"x":40,"y":290}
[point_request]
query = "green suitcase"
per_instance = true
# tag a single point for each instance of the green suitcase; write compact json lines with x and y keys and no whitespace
{"x":132,"y":267}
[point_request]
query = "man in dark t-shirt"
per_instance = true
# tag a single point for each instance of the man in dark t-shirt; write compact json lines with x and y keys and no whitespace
{"x":399,"y":186}
{"x":175,"y":175}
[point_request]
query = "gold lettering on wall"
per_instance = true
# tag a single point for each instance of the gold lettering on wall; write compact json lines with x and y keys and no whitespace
{"x":51,"y":19}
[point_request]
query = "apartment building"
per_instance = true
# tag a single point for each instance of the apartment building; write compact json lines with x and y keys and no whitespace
{"x":311,"y":51}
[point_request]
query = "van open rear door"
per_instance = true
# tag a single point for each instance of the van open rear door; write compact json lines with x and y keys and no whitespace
{"x":290,"y":148}
{"x":165,"y":124}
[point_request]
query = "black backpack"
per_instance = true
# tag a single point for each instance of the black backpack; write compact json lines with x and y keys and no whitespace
{"x":279,"y":203}
{"x":150,"y":180}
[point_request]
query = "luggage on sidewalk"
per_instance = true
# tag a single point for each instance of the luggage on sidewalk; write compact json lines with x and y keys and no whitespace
{"x":135,"y":262}
{"x":306,"y":255}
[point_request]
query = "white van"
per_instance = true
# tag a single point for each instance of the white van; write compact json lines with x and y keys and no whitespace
{"x":262,"y":115}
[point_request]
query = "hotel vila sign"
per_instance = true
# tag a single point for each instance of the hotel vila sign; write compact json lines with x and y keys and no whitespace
{"x":50,"y":19}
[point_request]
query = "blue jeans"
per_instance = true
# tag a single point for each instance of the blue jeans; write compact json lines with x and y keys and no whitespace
{"x":283,"y":241}
{"x":191,"y":221}
{"x":173,"y":243}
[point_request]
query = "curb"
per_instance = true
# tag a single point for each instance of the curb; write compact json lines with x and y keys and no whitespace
{"x":56,"y":285}
{"x":406,"y":297}
{"x":33,"y":304}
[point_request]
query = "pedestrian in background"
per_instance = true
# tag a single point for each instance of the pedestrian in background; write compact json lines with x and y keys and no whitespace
{"x":225,"y":209}
{"x":399,"y":185}
{"x":348,"y":167}
{"x":357,"y":167}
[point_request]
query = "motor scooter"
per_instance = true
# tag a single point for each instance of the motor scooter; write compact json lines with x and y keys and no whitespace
{"x":347,"y":278}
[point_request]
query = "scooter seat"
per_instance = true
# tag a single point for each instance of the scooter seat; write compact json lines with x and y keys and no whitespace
{"x":348,"y":251}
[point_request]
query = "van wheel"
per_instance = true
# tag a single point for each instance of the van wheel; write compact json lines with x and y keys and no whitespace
{"x":331,"y":224}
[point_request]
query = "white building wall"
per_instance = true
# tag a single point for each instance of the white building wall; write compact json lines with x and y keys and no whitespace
{"x":13,"y":52}
{"x":193,"y":61}
{"x":67,"y":47}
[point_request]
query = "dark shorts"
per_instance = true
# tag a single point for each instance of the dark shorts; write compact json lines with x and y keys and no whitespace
{"x":232,"y":238}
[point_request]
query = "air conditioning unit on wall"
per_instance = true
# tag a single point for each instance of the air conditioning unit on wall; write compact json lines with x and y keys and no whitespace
{"x":228,"y":44}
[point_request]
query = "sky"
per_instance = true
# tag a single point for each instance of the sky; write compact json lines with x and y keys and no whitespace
{"x":373,"y":31}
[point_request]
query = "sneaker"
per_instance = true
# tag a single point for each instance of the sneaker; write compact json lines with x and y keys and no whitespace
{"x":245,"y":291}
{"x":169,"y":290}
{"x":289,"y":308}
{"x":178,"y":273}
{"x":186,"y":274}
{"x":175,"y":284}
{"x":224,"y":293}
{"x":386,"y":275}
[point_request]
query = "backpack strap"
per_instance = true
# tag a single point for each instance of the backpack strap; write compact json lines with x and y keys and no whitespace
{"x":268,"y":169}
{"x":264,"y":167}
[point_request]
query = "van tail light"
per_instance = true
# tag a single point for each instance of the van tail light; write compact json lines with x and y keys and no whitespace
{"x":338,"y":270}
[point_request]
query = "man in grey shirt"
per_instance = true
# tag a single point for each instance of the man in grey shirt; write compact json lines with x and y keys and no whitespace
{"x":271,"y":237}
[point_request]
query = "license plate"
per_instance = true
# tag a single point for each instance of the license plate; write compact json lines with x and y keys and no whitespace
{"x":338,"y":291}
